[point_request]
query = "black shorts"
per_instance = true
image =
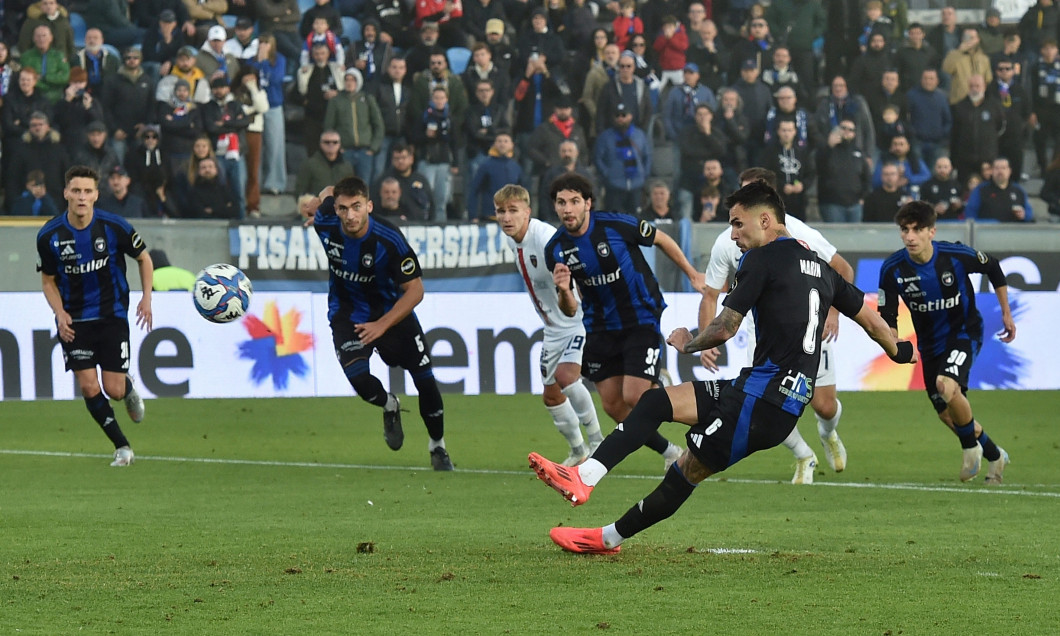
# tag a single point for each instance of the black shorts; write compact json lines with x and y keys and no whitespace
{"x":634,"y":352}
{"x":102,"y":343}
{"x":732,"y":425}
{"x":403,"y":345}
{"x":955,"y":362}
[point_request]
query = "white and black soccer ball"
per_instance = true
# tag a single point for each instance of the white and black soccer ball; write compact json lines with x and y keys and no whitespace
{"x":222,"y":293}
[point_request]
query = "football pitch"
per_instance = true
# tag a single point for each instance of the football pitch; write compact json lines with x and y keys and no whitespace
{"x":292,"y":516}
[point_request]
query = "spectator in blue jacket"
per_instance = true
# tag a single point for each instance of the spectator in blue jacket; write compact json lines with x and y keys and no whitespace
{"x":912,"y":169}
{"x":623,"y":161}
{"x":930,"y":118}
{"x":499,"y":170}
{"x":681,"y":102}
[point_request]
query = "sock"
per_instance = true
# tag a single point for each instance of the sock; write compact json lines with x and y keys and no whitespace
{"x":370,"y":389}
{"x":643,"y":423}
{"x":660,"y":504}
{"x":825,"y":427}
{"x":579,"y":397}
{"x":990,"y":449}
{"x":566,"y":421}
{"x":797,"y":445}
{"x":966,"y":434}
{"x":431,"y":408}
{"x":128,"y":388}
{"x":656,"y":441}
{"x":435,"y":443}
{"x":100,"y":409}
{"x":591,"y":471}
{"x":611,"y":537}
{"x":391,"y":402}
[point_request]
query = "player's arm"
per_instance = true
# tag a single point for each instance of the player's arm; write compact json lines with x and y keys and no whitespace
{"x":831,"y":323}
{"x":63,"y":320}
{"x":723,"y":327}
{"x":674,"y":253}
{"x":708,"y":307}
{"x":412,"y":295}
{"x":992,"y":268}
{"x":144,"y":317}
{"x":901,"y":351}
{"x":1008,"y":334}
{"x":568,"y":300}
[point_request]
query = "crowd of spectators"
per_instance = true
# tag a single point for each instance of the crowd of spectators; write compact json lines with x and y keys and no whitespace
{"x":192,"y":108}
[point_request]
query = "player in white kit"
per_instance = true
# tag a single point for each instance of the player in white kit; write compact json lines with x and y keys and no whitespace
{"x":724,"y":261}
{"x":565,"y":396}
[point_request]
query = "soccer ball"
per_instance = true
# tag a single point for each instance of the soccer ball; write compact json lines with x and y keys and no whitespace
{"x":222,"y":293}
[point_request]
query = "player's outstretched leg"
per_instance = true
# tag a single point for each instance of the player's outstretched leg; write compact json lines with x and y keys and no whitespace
{"x":563,"y":479}
{"x":371,"y":390}
{"x":134,"y":404}
{"x":393,"y":434}
{"x":433,"y":413}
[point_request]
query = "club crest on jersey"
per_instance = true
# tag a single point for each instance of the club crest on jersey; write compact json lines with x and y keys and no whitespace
{"x":646,"y":228}
{"x":408,"y":266}
{"x":533,"y":260}
{"x":947,"y":278}
{"x":100,"y":244}
{"x":603,"y":249}
{"x":367,"y":260}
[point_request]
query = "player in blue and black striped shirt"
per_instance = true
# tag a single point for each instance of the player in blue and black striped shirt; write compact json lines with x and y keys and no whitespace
{"x":82,"y":264}
{"x":932,"y":278}
{"x":375,"y":283}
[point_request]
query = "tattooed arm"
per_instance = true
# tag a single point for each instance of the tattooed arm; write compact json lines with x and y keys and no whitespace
{"x":723,"y":327}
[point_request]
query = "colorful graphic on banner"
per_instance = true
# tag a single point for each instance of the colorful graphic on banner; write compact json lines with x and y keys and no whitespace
{"x":276,"y":346}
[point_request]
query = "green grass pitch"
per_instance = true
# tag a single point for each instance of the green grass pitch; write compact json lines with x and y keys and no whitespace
{"x":291,"y":516}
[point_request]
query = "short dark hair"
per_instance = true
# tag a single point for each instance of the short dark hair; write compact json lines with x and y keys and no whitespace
{"x":759,"y":174}
{"x":757,"y":194}
{"x":351,"y":187}
{"x":400,"y":147}
{"x":81,"y":172}
{"x":919,"y":214}
{"x":571,"y":181}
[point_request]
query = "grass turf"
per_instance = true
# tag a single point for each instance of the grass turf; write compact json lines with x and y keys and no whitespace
{"x":276,"y":516}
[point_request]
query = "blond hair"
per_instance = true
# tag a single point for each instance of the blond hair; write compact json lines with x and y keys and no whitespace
{"x":511,"y":192}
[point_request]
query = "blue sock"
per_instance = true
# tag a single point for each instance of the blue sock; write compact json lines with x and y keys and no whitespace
{"x":966,"y":434}
{"x":990,"y":450}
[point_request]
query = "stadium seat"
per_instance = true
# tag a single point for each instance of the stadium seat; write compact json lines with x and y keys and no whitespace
{"x":458,"y":59}
{"x":77,"y":23}
{"x":229,"y":21}
{"x":351,"y":30}
{"x":305,"y":5}
{"x":112,"y":50}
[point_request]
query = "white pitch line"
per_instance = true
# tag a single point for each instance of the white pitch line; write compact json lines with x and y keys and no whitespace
{"x":528,"y":472}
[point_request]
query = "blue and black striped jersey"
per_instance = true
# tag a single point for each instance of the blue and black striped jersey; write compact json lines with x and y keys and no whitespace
{"x":938,"y":293}
{"x":788,"y":289}
{"x":89,"y":265}
{"x":366,"y":273}
{"x":617,"y":286}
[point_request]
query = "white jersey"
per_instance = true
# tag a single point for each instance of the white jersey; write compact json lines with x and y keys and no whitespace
{"x":530,"y":263}
{"x":725,"y":260}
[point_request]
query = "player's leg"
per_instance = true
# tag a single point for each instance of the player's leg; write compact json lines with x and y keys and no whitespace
{"x":568,"y":375}
{"x":828,"y":409}
{"x":354,"y":359}
{"x":559,"y":407}
{"x":114,"y":354}
{"x":677,"y":403}
{"x":99,"y":406}
{"x":641,"y":351}
{"x":100,"y":343}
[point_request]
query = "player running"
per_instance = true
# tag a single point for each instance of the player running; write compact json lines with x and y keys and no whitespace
{"x":82,"y":264}
{"x":932,"y":277}
{"x":565,"y":396}
{"x":788,"y":287}
{"x":600,"y":251}
{"x":375,"y":282}
{"x":721,"y":270}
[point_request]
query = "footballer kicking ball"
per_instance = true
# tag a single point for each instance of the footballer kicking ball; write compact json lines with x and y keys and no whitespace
{"x":222,"y":293}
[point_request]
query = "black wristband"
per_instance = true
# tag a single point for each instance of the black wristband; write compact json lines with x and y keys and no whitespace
{"x":905,"y":352}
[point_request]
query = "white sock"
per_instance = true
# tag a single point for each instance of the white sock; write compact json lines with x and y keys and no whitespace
{"x":391,"y":402}
{"x":798,"y":445}
{"x":566,"y":421}
{"x":825,"y":427}
{"x":582,"y":401}
{"x":611,"y":537}
{"x":432,"y":444}
{"x":591,"y":471}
